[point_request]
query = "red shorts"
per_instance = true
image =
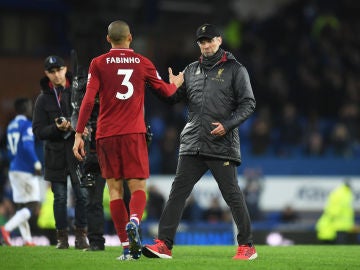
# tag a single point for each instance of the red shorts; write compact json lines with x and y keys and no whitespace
{"x":123,"y":156}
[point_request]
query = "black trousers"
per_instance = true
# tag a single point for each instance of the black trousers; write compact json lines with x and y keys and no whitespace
{"x":95,"y":213}
{"x":189,"y":171}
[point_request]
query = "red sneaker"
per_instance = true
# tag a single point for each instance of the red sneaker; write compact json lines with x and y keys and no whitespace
{"x":6,"y":236}
{"x":245,"y":252}
{"x":158,"y":250}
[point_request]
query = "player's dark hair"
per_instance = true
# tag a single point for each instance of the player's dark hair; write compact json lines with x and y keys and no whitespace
{"x":21,"y":105}
{"x":118,"y":31}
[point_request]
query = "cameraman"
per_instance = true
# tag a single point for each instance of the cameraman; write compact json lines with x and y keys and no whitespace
{"x":89,"y":170}
{"x":51,"y":124}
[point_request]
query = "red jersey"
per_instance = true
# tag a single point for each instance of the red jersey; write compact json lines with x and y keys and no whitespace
{"x":119,"y":77}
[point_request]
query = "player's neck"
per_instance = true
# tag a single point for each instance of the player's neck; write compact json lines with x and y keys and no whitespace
{"x":121,"y":46}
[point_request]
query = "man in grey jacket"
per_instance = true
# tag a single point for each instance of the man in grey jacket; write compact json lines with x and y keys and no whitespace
{"x":219,"y":97}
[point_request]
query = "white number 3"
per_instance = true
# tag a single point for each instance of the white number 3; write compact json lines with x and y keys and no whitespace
{"x":126,"y":82}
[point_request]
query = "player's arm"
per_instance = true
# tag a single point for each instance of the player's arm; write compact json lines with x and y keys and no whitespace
{"x":86,"y":108}
{"x":178,"y":95}
{"x":88,"y":101}
{"x":158,"y":84}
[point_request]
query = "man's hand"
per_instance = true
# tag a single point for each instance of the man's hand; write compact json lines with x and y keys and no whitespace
{"x":219,"y":130}
{"x":63,"y":124}
{"x":176,"y":79}
{"x":79,"y":147}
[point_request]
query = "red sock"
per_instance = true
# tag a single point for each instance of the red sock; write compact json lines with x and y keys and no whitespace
{"x":137,"y":205}
{"x":120,"y":217}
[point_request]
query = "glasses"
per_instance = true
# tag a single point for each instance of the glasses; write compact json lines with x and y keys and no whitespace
{"x":203,"y":41}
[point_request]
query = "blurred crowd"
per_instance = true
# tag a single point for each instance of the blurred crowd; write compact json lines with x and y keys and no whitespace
{"x":303,"y":64}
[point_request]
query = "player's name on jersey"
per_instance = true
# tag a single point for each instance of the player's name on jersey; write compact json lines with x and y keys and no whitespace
{"x":122,"y":60}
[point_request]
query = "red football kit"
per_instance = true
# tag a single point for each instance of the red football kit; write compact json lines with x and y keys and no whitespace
{"x":119,"y":77}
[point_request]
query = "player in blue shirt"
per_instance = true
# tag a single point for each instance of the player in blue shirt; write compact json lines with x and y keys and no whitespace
{"x":24,"y":166}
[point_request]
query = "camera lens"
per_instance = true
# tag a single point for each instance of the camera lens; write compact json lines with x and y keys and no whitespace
{"x":60,"y":120}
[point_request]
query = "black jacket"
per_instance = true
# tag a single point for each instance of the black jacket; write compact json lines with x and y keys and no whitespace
{"x":59,"y":160}
{"x":222,"y":94}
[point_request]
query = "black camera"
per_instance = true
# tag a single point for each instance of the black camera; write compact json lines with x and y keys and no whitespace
{"x":86,"y":180}
{"x":60,"y":120}
{"x":148,"y":135}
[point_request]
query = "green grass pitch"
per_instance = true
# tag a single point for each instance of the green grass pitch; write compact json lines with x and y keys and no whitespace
{"x":184,"y":258}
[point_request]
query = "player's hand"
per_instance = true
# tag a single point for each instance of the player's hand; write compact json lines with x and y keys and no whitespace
{"x":37,"y":168}
{"x":79,"y":147}
{"x":176,"y":79}
{"x":219,"y":130}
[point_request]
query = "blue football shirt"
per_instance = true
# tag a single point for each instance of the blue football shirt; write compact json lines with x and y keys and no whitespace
{"x":21,"y":145}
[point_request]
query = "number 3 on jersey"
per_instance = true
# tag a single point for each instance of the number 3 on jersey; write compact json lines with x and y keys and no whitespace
{"x":126,"y":82}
